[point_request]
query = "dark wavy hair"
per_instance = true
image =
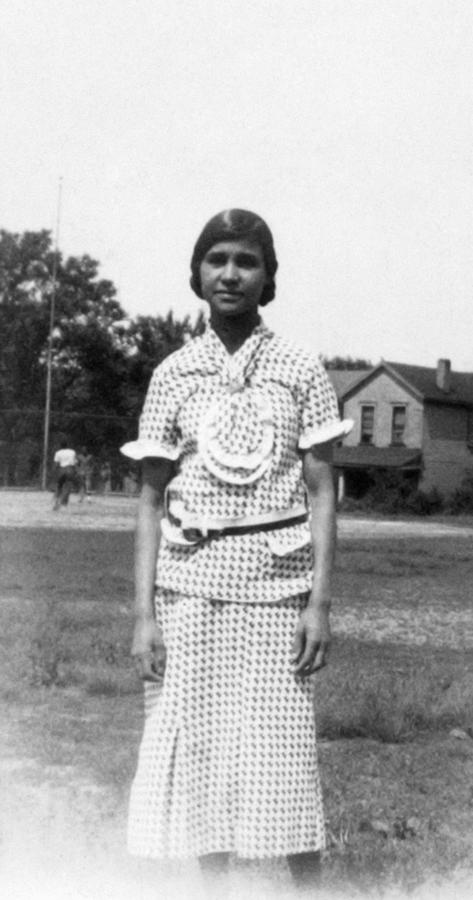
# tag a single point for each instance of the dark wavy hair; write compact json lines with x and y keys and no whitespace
{"x":234,"y":225}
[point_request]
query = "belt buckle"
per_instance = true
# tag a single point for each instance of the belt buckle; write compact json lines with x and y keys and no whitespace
{"x":194,"y":535}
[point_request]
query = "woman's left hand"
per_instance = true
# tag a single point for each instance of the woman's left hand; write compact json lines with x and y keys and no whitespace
{"x":311,"y":642}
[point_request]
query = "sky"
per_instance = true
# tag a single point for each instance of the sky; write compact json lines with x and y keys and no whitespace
{"x":347,"y":124}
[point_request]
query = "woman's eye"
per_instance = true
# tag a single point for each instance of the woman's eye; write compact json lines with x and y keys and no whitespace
{"x":216,"y":259}
{"x":247,"y":261}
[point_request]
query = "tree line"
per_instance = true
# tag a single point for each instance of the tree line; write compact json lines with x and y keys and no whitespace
{"x":101,"y":359}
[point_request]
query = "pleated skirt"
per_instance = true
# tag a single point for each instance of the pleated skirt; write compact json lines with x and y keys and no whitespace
{"x":228,"y":759}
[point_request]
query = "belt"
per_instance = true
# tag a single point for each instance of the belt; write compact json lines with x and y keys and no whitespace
{"x":247,"y":524}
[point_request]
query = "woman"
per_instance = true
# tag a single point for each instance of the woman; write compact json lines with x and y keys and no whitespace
{"x":235,"y":438}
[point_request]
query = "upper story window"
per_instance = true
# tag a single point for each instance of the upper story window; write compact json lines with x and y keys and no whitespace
{"x":367,"y":424}
{"x":398,"y":425}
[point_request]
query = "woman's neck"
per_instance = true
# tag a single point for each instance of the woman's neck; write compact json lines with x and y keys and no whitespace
{"x":234,"y":330}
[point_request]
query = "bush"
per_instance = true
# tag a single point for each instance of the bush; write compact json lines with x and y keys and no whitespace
{"x":388,"y":491}
{"x":391,"y":492}
{"x":424,"y":503}
{"x":461,"y":500}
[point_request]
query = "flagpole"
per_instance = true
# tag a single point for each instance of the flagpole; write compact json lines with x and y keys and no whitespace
{"x":49,"y":357}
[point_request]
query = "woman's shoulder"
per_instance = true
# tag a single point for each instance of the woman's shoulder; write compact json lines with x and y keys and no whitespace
{"x":298,"y":361}
{"x":179,"y":361}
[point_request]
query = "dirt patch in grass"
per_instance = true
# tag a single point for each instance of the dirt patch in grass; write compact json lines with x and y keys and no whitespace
{"x":33,"y":509}
{"x":398,"y":785}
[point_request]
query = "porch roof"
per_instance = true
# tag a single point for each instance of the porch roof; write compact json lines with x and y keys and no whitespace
{"x":366,"y":456}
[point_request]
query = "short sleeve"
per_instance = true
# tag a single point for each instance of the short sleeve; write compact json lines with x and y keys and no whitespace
{"x":319,"y":417}
{"x":158,"y":431}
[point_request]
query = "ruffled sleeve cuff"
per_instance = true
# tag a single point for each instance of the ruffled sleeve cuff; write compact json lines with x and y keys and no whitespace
{"x":144,"y":447}
{"x":329,"y":431}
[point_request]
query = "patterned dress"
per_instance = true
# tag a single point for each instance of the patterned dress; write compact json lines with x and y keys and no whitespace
{"x":228,"y":757}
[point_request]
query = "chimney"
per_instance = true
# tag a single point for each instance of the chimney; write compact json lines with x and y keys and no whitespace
{"x":442,"y":377}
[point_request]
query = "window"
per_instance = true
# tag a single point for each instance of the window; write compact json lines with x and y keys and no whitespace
{"x":367,"y":424}
{"x":398,"y":425}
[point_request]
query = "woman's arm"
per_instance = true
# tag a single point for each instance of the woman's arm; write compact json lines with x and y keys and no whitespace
{"x":156,"y":474}
{"x":313,"y":633}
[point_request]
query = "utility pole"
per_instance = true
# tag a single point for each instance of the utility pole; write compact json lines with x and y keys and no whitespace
{"x":49,"y":358}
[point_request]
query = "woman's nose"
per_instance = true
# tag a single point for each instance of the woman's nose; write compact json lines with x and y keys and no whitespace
{"x":230,"y":271}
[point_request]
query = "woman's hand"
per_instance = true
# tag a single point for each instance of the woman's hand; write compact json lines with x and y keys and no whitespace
{"x":147,"y":650}
{"x":311,"y":642}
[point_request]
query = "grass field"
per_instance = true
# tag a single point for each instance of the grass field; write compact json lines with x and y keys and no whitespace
{"x":398,"y":783}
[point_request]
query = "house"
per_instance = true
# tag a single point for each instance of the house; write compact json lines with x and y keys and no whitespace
{"x":412,"y":419}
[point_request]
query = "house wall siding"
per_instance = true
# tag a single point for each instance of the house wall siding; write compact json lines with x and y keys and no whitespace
{"x":447,"y":423}
{"x":384,"y":393}
{"x":445,"y":453}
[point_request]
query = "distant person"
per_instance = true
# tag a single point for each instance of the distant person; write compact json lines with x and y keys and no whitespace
{"x":65,"y":464}
{"x":85,"y":465}
{"x":105,"y":477}
{"x":131,"y":483}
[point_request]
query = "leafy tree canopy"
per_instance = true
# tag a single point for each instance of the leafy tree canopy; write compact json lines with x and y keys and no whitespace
{"x":346,"y":362}
{"x":101,"y":359}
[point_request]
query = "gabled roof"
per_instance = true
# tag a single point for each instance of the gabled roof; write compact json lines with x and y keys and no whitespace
{"x":343,"y":379}
{"x":424,"y":381}
{"x":420,"y":381}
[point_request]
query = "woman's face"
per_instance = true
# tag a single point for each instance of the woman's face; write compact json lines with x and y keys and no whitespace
{"x":233,"y":277}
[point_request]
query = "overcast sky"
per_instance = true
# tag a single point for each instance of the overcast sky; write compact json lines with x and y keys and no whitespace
{"x":346,"y":123}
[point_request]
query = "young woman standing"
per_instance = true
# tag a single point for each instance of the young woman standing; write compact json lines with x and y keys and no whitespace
{"x":234,"y":549}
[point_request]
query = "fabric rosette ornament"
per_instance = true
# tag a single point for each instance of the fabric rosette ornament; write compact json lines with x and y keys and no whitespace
{"x":236,"y":435}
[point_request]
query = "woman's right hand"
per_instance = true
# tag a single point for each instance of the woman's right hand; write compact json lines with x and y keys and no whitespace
{"x":147,"y":650}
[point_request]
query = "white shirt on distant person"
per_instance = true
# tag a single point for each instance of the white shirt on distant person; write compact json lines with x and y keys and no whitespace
{"x":65,"y":458}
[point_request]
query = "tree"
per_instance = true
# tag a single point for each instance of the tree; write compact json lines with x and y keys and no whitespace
{"x":86,"y":309}
{"x":101,"y":359}
{"x":155,"y":338}
{"x":346,"y":362}
{"x":25,"y":263}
